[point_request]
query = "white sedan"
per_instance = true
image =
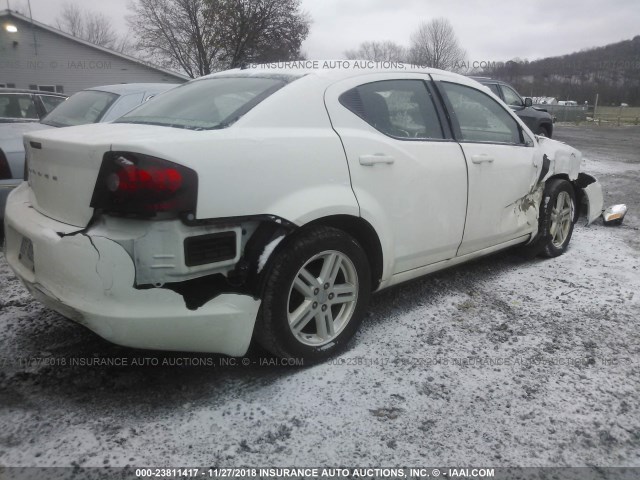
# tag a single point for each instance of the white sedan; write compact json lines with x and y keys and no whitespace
{"x":269,"y":203}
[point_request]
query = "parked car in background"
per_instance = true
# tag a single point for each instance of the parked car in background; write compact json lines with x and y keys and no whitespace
{"x":270,"y":203}
{"x":19,"y":106}
{"x":93,"y":105}
{"x":537,"y":119}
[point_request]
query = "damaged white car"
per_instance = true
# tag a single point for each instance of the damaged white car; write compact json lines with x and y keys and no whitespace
{"x":270,"y":203}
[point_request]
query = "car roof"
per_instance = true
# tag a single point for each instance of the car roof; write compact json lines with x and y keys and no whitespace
{"x":24,"y":90}
{"x":131,"y":88}
{"x":330,"y":70}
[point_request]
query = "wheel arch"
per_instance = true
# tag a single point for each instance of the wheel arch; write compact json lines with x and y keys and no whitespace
{"x":548,"y":127}
{"x":364,"y":233}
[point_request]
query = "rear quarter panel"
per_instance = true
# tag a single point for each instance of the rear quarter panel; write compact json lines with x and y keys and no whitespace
{"x":282,"y":158}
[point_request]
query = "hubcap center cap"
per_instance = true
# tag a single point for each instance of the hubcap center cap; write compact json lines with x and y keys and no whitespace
{"x":323,"y":296}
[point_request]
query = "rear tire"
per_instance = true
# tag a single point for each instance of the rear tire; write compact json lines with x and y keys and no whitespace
{"x":315,"y":296}
{"x":557,"y":217}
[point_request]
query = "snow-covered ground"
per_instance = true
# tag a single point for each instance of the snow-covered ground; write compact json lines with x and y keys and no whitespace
{"x":501,"y":362}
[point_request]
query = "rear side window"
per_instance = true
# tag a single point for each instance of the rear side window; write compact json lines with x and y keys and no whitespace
{"x":205,"y":104}
{"x":399,"y":108}
{"x":480,"y":117}
{"x":18,"y":106}
{"x":125,"y":104}
{"x":50,"y":102}
{"x":494,"y":88}
{"x":84,"y":107}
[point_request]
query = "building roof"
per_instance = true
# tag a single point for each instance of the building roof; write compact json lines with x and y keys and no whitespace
{"x":11,"y":13}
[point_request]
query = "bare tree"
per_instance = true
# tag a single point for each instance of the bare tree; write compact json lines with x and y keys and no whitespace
{"x":260,"y":30}
{"x":177,"y":34}
{"x":202,"y":36}
{"x":98,"y":30}
{"x":378,"y":52}
{"x":435,"y":44}
{"x":71,"y":20}
{"x":92,"y":27}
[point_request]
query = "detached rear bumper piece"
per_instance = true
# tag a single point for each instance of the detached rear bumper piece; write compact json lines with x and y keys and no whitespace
{"x":90,"y":280}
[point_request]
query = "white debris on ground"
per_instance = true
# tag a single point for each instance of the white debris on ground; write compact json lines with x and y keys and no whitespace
{"x":505,"y":361}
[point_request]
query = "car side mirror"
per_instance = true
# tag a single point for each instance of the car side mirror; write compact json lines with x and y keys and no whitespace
{"x":528,"y":102}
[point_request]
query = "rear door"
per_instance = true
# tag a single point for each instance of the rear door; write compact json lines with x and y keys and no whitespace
{"x":502,"y":163}
{"x":408,"y":174}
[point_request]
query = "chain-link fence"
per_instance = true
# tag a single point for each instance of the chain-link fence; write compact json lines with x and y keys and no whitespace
{"x":600,"y":115}
{"x":617,"y":115}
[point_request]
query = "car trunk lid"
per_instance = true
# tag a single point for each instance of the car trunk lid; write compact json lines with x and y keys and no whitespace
{"x":62,"y":176}
{"x":64,"y":163}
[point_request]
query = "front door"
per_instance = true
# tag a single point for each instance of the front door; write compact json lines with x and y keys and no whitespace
{"x":503,"y":167}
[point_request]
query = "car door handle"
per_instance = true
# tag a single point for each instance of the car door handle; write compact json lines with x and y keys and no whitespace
{"x":481,"y":159}
{"x":370,"y":160}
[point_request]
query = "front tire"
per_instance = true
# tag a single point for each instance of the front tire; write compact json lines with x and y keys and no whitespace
{"x":544,"y":131}
{"x":557,"y":216}
{"x":315,"y":297}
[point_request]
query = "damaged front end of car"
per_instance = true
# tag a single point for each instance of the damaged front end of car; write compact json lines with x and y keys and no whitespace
{"x":563,"y":161}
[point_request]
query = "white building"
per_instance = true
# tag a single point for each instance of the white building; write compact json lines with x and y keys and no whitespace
{"x":39,"y":57}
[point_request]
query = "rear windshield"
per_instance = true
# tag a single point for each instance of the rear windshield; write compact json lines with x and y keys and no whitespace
{"x":88,"y":106}
{"x":205,"y":104}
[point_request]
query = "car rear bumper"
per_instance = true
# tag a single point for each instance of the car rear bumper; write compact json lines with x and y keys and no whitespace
{"x":90,"y":279}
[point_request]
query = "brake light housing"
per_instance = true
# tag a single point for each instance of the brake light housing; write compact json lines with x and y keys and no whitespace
{"x":134,"y":184}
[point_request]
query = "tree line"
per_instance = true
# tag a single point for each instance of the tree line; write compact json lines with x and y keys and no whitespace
{"x":433,"y":44}
{"x":612,"y":72}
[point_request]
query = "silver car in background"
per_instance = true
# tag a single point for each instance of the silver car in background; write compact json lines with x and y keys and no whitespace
{"x":93,"y":105}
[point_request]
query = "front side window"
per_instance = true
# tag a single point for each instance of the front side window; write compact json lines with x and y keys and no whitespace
{"x":17,"y":106}
{"x":398,"y":108}
{"x":511,"y":98}
{"x":480,"y":117}
{"x":82,"y":108}
{"x":205,"y":104}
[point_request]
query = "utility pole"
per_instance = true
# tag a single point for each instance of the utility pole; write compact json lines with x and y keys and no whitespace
{"x":35,"y":41}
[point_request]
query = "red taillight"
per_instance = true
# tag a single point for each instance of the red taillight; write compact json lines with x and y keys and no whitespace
{"x":130,"y":183}
{"x":5,"y":171}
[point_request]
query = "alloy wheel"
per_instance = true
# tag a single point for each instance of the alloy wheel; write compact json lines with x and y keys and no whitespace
{"x":561,"y":219}
{"x":322,"y":298}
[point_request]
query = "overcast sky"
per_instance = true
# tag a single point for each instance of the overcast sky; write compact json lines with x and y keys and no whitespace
{"x":499,"y":30}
